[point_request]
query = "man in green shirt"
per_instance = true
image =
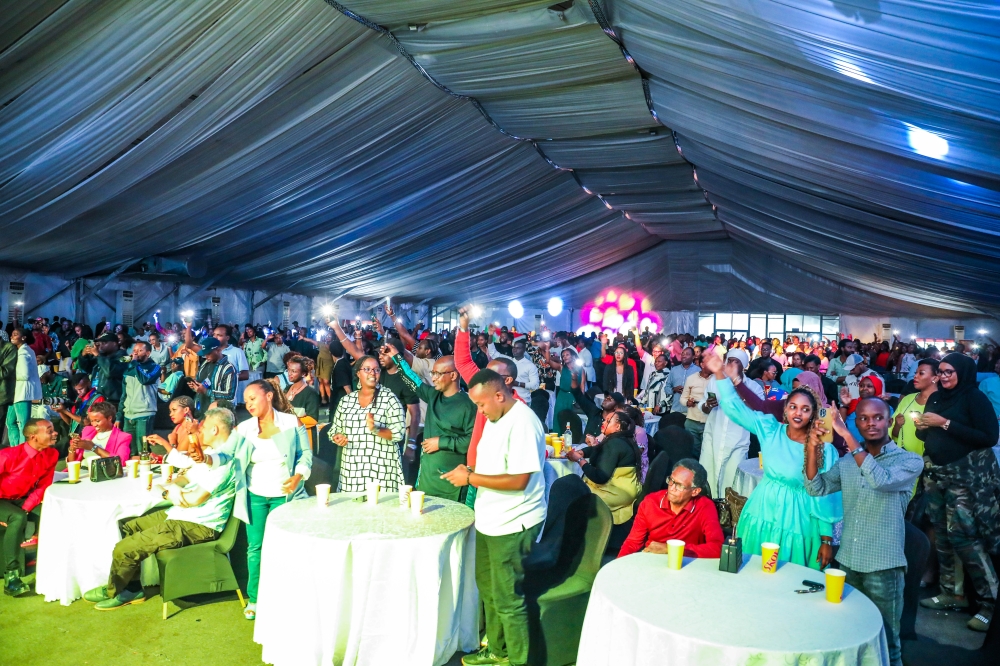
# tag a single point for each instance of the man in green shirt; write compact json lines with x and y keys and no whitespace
{"x":448,"y":425}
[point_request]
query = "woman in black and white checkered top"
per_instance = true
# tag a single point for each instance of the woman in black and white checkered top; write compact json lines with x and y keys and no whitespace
{"x":368,"y":423}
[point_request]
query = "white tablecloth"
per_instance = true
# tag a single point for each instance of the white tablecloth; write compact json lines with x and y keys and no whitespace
{"x":79,"y":530}
{"x":564,"y":467}
{"x":642,"y":613}
{"x":652,"y":423}
{"x":748,"y":475}
{"x":358,"y":584}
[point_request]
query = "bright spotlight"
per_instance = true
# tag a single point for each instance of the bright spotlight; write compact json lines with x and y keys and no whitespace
{"x":926,"y":143}
{"x":477,"y":311}
{"x":327,"y":310}
{"x":515,"y":309}
{"x":555,"y":306}
{"x":983,"y":331}
{"x":187,"y":314}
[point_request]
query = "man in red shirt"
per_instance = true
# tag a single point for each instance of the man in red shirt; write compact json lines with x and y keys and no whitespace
{"x":25,"y":472}
{"x":684,"y":511}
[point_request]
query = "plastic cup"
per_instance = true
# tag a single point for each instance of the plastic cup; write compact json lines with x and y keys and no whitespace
{"x":144,"y":469}
{"x":835,"y":585}
{"x":373,"y":488}
{"x":557,"y":446}
{"x":675,"y":554}
{"x":132,"y":469}
{"x":166,"y":473}
{"x":769,"y":557}
{"x":417,"y":502}
{"x":73,"y":469}
{"x":322,"y":494}
{"x":404,"y":496}
{"x":148,"y":480}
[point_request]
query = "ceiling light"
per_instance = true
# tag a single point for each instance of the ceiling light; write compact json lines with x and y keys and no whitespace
{"x":515,"y":309}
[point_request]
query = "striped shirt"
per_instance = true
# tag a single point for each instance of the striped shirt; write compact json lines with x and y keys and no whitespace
{"x":875,"y":496}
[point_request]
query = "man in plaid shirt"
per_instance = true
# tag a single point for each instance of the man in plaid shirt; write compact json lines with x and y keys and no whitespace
{"x":876,"y":480}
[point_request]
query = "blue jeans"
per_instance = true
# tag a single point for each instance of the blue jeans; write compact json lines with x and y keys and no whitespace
{"x":260,"y":507}
{"x":885,"y":589}
{"x":17,"y":417}
{"x":697,"y":429}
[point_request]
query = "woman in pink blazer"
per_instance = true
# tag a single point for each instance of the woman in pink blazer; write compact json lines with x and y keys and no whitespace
{"x":101,"y":436}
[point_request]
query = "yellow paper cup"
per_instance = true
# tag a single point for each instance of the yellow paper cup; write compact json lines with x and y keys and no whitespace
{"x":404,"y":496}
{"x":769,"y":557}
{"x":132,"y":469}
{"x":166,"y":473}
{"x":557,"y":447}
{"x":416,"y":502}
{"x":835,"y":585}
{"x":73,"y":469}
{"x":675,"y":554}
{"x":149,"y":480}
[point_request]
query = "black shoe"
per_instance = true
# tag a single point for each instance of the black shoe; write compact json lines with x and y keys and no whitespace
{"x":14,"y":586}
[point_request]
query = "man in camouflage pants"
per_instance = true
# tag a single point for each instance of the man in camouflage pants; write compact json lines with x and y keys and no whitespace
{"x":962,"y":504}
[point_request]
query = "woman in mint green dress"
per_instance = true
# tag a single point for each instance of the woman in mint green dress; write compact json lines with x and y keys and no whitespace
{"x":779,"y":510}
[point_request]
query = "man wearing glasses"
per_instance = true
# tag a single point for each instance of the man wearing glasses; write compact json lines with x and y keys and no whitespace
{"x":448,"y":424}
{"x":683,"y":511}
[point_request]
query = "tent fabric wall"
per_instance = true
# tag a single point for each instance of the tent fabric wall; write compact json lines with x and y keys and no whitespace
{"x":428,"y":149}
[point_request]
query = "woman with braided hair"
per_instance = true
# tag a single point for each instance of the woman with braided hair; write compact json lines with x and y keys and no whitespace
{"x":780,"y":510}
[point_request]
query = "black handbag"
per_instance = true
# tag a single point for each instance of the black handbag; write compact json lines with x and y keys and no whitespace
{"x":105,"y":469}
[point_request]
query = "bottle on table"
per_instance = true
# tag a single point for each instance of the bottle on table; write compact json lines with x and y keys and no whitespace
{"x":567,"y":438}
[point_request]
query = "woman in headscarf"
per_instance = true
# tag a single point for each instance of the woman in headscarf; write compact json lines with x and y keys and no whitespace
{"x":869,"y":386}
{"x":962,"y":480}
{"x":776,"y":408}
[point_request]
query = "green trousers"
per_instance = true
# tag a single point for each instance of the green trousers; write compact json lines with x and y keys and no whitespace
{"x":17,"y":418}
{"x":138,"y":428}
{"x":500,"y":578}
{"x":260,"y":507}
{"x":145,"y":536}
{"x":16,"y":519}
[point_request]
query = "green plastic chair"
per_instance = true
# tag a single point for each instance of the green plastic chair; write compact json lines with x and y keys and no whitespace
{"x":557,"y":601}
{"x":199,"y":569}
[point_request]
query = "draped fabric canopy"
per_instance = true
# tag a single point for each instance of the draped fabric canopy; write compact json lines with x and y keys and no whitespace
{"x":836,"y":157}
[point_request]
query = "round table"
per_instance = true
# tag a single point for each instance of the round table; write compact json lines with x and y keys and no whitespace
{"x":748,"y":475}
{"x":352,"y":583}
{"x":651,"y":422}
{"x":79,"y":530}
{"x":564,"y":467}
{"x":722,"y":618}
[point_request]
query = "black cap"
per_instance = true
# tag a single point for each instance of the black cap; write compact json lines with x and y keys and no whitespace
{"x":107,"y":337}
{"x":618,"y":398}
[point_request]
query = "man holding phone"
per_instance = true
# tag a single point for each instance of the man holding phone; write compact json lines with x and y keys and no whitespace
{"x":876,"y":479}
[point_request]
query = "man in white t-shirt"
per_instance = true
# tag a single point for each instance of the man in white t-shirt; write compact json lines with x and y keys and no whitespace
{"x":510,"y":510}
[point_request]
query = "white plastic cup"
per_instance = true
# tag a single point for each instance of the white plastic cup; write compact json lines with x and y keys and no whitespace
{"x":132,"y":469}
{"x":322,"y":494}
{"x":73,"y":469}
{"x":166,"y":473}
{"x":416,"y":502}
{"x":373,"y":488}
{"x":404,"y":496}
{"x":144,"y":469}
{"x":148,"y":479}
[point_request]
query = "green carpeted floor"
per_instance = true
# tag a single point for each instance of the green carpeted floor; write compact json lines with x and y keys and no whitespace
{"x":213,"y":631}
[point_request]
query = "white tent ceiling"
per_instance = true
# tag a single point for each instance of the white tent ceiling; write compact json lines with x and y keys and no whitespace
{"x":503,"y":148}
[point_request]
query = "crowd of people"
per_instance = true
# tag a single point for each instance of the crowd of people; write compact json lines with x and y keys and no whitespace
{"x":859,"y":437}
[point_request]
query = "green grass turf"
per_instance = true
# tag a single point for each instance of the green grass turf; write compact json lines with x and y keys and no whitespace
{"x":209,"y":630}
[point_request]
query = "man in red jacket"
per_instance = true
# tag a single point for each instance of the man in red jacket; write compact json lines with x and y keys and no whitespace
{"x":466,"y":367}
{"x":25,"y":472}
{"x":684,"y":511}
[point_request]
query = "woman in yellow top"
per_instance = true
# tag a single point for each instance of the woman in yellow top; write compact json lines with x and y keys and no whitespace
{"x":904,"y":425}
